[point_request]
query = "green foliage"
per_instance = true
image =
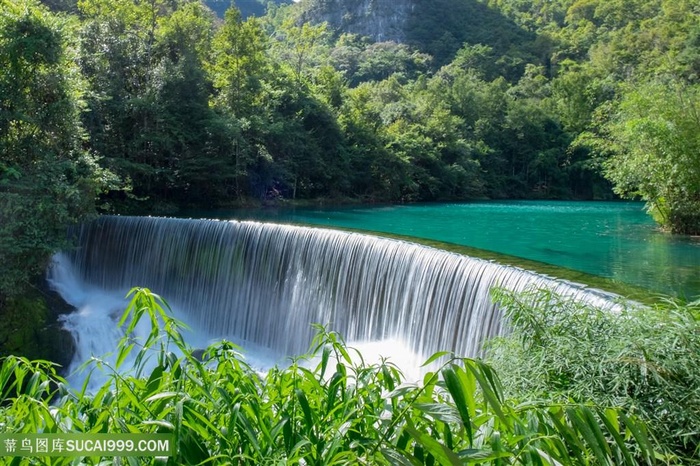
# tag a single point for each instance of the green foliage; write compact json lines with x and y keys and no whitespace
{"x":22,"y":319}
{"x":191,"y":111}
{"x":654,"y":138}
{"x":149,"y":112}
{"x":644,"y":360}
{"x":247,"y":8}
{"x":332,"y":409}
{"x":433,"y":30}
{"x":47,"y":179}
{"x":362,"y":61}
{"x":239,"y":63}
{"x":28,"y":328}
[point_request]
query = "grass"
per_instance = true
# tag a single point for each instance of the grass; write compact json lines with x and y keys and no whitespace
{"x":339,"y":410}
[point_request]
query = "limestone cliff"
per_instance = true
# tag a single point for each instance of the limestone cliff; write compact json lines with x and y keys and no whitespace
{"x":436,"y":27}
{"x":381,"y":20}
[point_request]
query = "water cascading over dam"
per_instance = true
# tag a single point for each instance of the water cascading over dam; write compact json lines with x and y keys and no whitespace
{"x":267,"y":283}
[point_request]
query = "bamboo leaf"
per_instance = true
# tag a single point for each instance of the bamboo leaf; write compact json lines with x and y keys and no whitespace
{"x":568,"y":434}
{"x":164,"y":424}
{"x":442,"y":454}
{"x":399,"y":458}
{"x":548,"y":457}
{"x":162,"y":396}
{"x":325,"y":355}
{"x":154,"y":381}
{"x":333,"y":390}
{"x":7,"y":381}
{"x":590,"y":432}
{"x":435,"y":357}
{"x":461,"y":397}
{"x":639,"y":432}
{"x":133,"y":293}
{"x":279,"y":427}
{"x":306,"y":409}
{"x":440,"y":411}
{"x":31,"y":388}
{"x":490,"y":389}
{"x":610,"y":420}
{"x":482,"y":456}
{"x":192,"y":413}
{"x":402,"y":390}
{"x":123,"y":352}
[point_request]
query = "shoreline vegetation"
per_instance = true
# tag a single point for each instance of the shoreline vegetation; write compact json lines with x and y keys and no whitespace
{"x":341,"y":411}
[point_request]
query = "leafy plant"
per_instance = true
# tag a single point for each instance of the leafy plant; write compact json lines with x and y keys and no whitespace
{"x":643,"y":359}
{"x":333,"y":409}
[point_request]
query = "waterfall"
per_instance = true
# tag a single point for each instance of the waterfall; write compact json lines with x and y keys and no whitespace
{"x":266,"y":283}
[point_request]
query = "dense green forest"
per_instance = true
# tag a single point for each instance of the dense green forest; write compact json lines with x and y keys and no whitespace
{"x":149,"y":106}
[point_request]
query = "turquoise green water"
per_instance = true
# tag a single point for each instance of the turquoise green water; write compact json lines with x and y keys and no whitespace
{"x":616,"y":240}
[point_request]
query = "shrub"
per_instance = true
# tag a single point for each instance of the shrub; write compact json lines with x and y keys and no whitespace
{"x":643,"y":359}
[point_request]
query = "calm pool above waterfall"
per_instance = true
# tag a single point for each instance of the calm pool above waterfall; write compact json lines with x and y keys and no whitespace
{"x":616,"y":240}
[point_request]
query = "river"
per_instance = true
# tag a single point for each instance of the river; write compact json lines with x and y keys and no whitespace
{"x":614,"y":240}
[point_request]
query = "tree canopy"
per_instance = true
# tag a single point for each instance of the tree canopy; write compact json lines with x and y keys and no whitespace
{"x":49,"y":179}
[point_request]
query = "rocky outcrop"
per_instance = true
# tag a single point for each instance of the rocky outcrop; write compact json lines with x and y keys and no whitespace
{"x":436,"y":27}
{"x":246,"y":7}
{"x":381,"y":20}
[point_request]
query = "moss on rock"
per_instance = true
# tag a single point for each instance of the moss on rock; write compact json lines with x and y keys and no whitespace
{"x":29,"y":327}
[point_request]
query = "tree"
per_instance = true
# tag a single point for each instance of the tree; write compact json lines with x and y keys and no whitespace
{"x":239,"y":68}
{"x":382,"y":59}
{"x":116,"y":56}
{"x":239,"y":62}
{"x":48,"y":181}
{"x":375,"y":172}
{"x":149,"y":101}
{"x":653,"y":137}
{"x":301,"y":45}
{"x":195,"y":141}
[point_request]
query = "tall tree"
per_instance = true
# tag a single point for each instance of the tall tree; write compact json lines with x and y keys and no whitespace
{"x":300,"y":46}
{"x":149,"y":102}
{"x":194,"y":141}
{"x":239,"y":69}
{"x":47,"y":179}
{"x":117,"y":40}
{"x":240,"y":62}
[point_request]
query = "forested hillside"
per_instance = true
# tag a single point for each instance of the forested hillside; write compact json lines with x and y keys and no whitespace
{"x":132,"y":106}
